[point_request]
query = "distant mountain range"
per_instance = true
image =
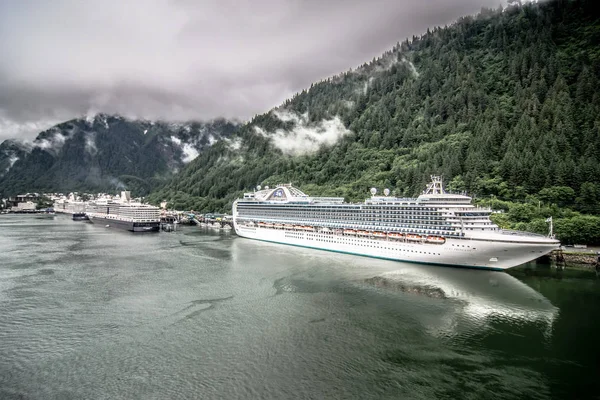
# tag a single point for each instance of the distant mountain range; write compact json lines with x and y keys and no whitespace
{"x":105,"y":153}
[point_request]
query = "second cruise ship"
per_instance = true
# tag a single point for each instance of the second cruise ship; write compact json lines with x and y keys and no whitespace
{"x":124,"y":214}
{"x":435,"y":228}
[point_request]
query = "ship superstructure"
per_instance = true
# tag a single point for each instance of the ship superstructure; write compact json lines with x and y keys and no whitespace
{"x":121,"y":212}
{"x":71,"y":205}
{"x":436,"y":227}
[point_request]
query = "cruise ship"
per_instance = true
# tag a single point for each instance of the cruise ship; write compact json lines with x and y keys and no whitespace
{"x":122,"y":213}
{"x":434,"y":228}
{"x":76,"y":208}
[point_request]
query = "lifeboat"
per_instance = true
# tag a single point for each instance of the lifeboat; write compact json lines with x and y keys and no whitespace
{"x":288,"y":226}
{"x":349,"y":232}
{"x":414,"y":238}
{"x":436,"y":239}
{"x":268,"y":225}
{"x":396,"y":235}
{"x":379,"y":234}
{"x":262,"y":224}
{"x":309,"y":228}
{"x":325,"y":230}
{"x":364,"y":233}
{"x":278,"y":226}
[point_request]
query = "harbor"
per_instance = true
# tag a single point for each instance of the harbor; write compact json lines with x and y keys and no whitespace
{"x":374,"y":230}
{"x":567,"y":257}
{"x":202,"y":313}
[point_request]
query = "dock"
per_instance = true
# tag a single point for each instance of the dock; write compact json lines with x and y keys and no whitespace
{"x":173,"y":218}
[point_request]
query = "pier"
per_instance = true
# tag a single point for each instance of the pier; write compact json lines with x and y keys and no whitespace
{"x":218,"y":222}
{"x":173,"y":218}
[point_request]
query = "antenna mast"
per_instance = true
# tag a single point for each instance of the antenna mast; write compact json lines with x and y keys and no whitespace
{"x":435,"y":187}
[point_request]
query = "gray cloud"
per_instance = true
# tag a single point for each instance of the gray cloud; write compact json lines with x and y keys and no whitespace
{"x":184,"y":59}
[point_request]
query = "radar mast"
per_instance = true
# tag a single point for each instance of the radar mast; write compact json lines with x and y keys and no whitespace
{"x":435,"y":187}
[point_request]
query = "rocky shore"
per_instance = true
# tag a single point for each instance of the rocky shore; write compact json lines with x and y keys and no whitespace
{"x":580,"y":258}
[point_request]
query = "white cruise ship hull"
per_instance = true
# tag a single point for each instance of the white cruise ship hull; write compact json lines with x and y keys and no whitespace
{"x":470,"y":253}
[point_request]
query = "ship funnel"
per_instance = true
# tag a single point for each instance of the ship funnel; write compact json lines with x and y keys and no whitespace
{"x":125,"y":195}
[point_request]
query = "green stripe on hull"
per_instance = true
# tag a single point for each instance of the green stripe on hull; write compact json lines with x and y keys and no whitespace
{"x":381,"y":258}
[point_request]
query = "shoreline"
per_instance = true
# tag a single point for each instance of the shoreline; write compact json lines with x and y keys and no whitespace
{"x":582,"y":259}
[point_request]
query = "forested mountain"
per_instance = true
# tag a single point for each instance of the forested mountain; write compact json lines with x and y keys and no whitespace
{"x":105,"y":152}
{"x":504,"y":103}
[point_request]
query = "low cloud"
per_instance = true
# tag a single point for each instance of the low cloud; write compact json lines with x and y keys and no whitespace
{"x":304,"y":137}
{"x":188,"y":60}
{"x":176,"y":140}
{"x":411,"y":66}
{"x":233,"y":144}
{"x":11,"y":161}
{"x":188,"y":149}
{"x":23,"y":129}
{"x":385,"y":64}
{"x":90,"y":143}
{"x":52,"y":144}
{"x":189,"y":153}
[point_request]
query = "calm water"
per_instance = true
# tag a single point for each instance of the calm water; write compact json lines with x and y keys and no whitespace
{"x":91,"y":313}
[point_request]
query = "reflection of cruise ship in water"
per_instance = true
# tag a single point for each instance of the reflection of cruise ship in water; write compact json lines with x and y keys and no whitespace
{"x":125,"y":214}
{"x":446,"y":301}
{"x":435,"y":228}
{"x":480,"y":297}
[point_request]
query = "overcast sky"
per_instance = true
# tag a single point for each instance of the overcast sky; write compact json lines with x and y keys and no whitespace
{"x":188,"y":59}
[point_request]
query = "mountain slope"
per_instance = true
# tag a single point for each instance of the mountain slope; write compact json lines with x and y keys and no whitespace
{"x":503,"y":103}
{"x":10,"y":152}
{"x":105,"y":153}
